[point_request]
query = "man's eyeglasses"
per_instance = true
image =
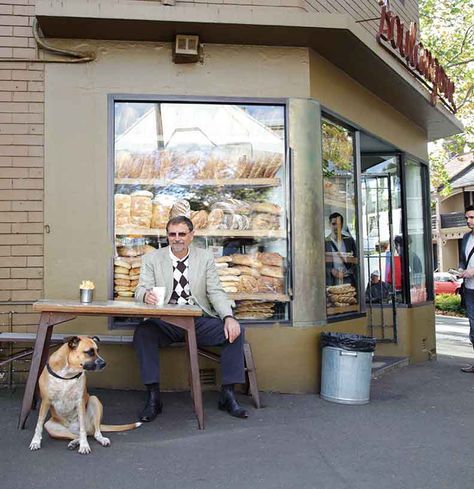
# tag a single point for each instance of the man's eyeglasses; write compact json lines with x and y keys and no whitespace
{"x":177,"y":235}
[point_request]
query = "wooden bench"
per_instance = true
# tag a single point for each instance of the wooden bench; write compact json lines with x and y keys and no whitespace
{"x":56,"y":339}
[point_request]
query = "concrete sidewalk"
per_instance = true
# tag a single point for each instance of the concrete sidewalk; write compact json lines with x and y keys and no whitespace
{"x":415,"y":433}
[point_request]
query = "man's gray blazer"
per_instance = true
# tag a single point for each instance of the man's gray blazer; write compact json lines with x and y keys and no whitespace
{"x":206,"y":288}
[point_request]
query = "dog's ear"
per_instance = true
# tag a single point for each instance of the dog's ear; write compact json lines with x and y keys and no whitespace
{"x":95,"y":338}
{"x":72,"y":341}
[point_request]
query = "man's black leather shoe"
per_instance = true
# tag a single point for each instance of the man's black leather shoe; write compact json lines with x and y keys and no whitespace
{"x":153,"y":407}
{"x":469,"y":369}
{"x":228,"y":402}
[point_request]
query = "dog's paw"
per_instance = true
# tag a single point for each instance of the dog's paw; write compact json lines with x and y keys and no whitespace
{"x":72,"y":445}
{"x":35,"y":445}
{"x":84,"y":449}
{"x":105,"y":442}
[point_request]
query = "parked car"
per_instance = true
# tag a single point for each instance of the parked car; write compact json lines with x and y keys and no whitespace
{"x":446,"y":283}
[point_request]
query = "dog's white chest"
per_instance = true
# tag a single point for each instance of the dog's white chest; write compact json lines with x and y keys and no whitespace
{"x":65,"y":396}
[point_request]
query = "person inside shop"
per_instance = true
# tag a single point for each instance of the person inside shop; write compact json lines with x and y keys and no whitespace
{"x":341,"y":249}
{"x":377,"y":290}
{"x":415,"y":267}
{"x":466,"y":264}
{"x":171,"y":267}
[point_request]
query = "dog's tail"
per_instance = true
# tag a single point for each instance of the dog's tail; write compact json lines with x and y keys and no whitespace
{"x":119,"y":427}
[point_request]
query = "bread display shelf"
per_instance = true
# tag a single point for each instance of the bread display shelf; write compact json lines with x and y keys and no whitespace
{"x":347,"y":259}
{"x":342,"y":309}
{"x":273,"y":297}
{"x":215,"y":233}
{"x":223,"y":182}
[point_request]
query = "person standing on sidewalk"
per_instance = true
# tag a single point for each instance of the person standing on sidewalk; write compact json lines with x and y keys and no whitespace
{"x":467,"y":264}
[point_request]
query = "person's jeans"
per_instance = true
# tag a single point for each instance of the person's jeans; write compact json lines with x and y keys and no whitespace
{"x":469,"y":296}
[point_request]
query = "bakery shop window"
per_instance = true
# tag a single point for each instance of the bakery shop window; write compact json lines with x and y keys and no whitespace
{"x":340,"y":214}
{"x":224,"y":167}
{"x":416,"y":241}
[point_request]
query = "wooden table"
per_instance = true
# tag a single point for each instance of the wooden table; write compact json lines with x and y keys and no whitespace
{"x":56,"y":312}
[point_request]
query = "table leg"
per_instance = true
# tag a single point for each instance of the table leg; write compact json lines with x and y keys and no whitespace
{"x":195,"y":378}
{"x":38,"y":361}
{"x":42,"y":340}
{"x":187,"y":324}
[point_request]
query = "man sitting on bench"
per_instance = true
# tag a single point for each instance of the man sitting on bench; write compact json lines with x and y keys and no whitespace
{"x":190,"y":277}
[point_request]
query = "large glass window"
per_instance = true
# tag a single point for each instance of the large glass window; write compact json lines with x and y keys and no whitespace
{"x":341,"y":254}
{"x":382,"y":222}
{"x":224,"y":167}
{"x":416,"y":239}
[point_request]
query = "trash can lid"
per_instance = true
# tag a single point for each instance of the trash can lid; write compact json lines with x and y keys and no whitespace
{"x":348,"y":341}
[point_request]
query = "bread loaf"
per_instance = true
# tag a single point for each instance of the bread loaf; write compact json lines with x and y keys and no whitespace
{"x":269,"y":258}
{"x":215,"y":218}
{"x":122,"y":206}
{"x":122,"y":263}
{"x":224,"y":259}
{"x":228,"y":278}
{"x":269,"y":271}
{"x":160,"y":215}
{"x":267,"y":208}
{"x":121,"y":288}
{"x":129,"y":251}
{"x":125,"y":293}
{"x":121,"y":281}
{"x":199,"y":219}
{"x":148,"y":249}
{"x":247,"y":260}
{"x":141,"y":208}
{"x":148,"y":167}
{"x":228,"y":271}
{"x":136,"y":166}
{"x":165,"y":164}
{"x":123,"y":160}
{"x":248,"y":284}
{"x":180,"y":208}
{"x":253,"y":272}
{"x":230,"y":289}
{"x":265,"y":221}
{"x":122,"y":270}
{"x":270,"y":284}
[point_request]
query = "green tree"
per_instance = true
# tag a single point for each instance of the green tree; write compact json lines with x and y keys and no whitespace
{"x":447,"y":29}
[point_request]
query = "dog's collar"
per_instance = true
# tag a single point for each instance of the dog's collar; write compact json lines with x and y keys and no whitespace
{"x":54,"y":374}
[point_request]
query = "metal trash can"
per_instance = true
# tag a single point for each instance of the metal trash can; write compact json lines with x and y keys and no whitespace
{"x":346,"y":367}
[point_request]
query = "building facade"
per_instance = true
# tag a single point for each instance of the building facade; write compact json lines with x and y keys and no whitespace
{"x":294,"y":139}
{"x":449,"y":224}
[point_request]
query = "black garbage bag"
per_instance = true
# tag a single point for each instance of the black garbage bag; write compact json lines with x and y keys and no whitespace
{"x":348,"y":341}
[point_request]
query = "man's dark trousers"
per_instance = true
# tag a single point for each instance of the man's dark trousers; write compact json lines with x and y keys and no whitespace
{"x":152,"y":334}
{"x":469,"y":298}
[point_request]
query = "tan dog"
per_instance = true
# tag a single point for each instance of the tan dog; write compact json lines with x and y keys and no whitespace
{"x":74,"y":414}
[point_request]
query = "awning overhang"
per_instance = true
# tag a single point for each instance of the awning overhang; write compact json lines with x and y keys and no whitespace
{"x":336,"y":37}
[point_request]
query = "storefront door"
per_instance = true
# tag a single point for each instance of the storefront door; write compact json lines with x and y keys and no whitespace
{"x":382,"y":266}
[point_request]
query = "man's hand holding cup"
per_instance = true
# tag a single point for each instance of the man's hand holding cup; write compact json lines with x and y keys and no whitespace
{"x":156,"y":296}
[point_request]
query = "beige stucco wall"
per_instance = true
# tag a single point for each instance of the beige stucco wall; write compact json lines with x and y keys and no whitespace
{"x":341,"y":94}
{"x":416,"y":334}
{"x":453,"y":203}
{"x":80,"y":246}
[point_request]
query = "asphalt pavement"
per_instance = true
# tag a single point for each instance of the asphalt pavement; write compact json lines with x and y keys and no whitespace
{"x":414,"y":433}
{"x":452,"y":337}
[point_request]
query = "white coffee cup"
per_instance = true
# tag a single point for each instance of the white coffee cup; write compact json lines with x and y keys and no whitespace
{"x":160,"y":293}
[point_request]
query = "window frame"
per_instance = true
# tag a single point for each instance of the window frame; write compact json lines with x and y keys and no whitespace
{"x":287,"y":183}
